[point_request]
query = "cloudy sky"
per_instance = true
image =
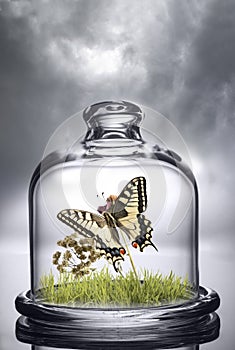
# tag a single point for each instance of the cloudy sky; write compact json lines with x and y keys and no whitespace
{"x":177,"y":57}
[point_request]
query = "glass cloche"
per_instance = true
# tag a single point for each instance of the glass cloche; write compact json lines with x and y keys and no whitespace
{"x":113,"y":221}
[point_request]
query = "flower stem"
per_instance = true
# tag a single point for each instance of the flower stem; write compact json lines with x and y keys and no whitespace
{"x":130,"y":257}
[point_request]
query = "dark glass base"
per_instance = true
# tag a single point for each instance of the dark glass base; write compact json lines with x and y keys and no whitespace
{"x":193,"y":322}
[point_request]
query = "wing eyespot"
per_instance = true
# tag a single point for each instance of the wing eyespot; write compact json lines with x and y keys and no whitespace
{"x":122,"y":251}
{"x":135,"y":245}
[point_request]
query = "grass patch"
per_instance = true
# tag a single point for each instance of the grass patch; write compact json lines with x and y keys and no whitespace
{"x":100,"y":289}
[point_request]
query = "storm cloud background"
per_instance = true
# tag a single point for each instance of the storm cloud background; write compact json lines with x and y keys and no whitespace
{"x":177,"y":57}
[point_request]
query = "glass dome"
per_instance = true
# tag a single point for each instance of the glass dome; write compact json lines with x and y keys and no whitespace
{"x":114,"y":217}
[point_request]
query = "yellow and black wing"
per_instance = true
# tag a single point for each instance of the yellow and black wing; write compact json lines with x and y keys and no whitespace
{"x":127,"y":212}
{"x":97,"y":227}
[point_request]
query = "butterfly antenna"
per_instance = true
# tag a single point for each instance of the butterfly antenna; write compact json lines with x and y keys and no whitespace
{"x":102,"y":194}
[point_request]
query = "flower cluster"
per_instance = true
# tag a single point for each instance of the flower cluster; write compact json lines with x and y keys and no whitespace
{"x":77,"y":258}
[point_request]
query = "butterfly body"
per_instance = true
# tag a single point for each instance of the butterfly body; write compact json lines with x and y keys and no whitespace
{"x":121,"y":214}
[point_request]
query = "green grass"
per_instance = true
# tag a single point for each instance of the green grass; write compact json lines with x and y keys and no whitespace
{"x":100,"y":289}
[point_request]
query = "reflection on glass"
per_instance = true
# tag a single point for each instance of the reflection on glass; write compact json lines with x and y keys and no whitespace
{"x":43,"y":338}
{"x":159,"y":334}
{"x":192,"y":347}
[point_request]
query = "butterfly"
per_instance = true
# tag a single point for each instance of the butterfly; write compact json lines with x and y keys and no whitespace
{"x":121,"y":216}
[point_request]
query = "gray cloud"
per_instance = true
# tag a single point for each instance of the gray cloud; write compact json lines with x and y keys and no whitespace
{"x":174,"y":56}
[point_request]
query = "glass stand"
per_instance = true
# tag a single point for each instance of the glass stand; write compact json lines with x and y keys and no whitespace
{"x":194,"y":321}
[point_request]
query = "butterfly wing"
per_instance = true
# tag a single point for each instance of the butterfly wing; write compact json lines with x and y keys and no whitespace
{"x":127,"y":211}
{"x":100,"y":228}
{"x":133,"y":198}
{"x":139,"y":229}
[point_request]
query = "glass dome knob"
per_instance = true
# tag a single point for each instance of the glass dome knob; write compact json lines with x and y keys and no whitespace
{"x":113,"y":121}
